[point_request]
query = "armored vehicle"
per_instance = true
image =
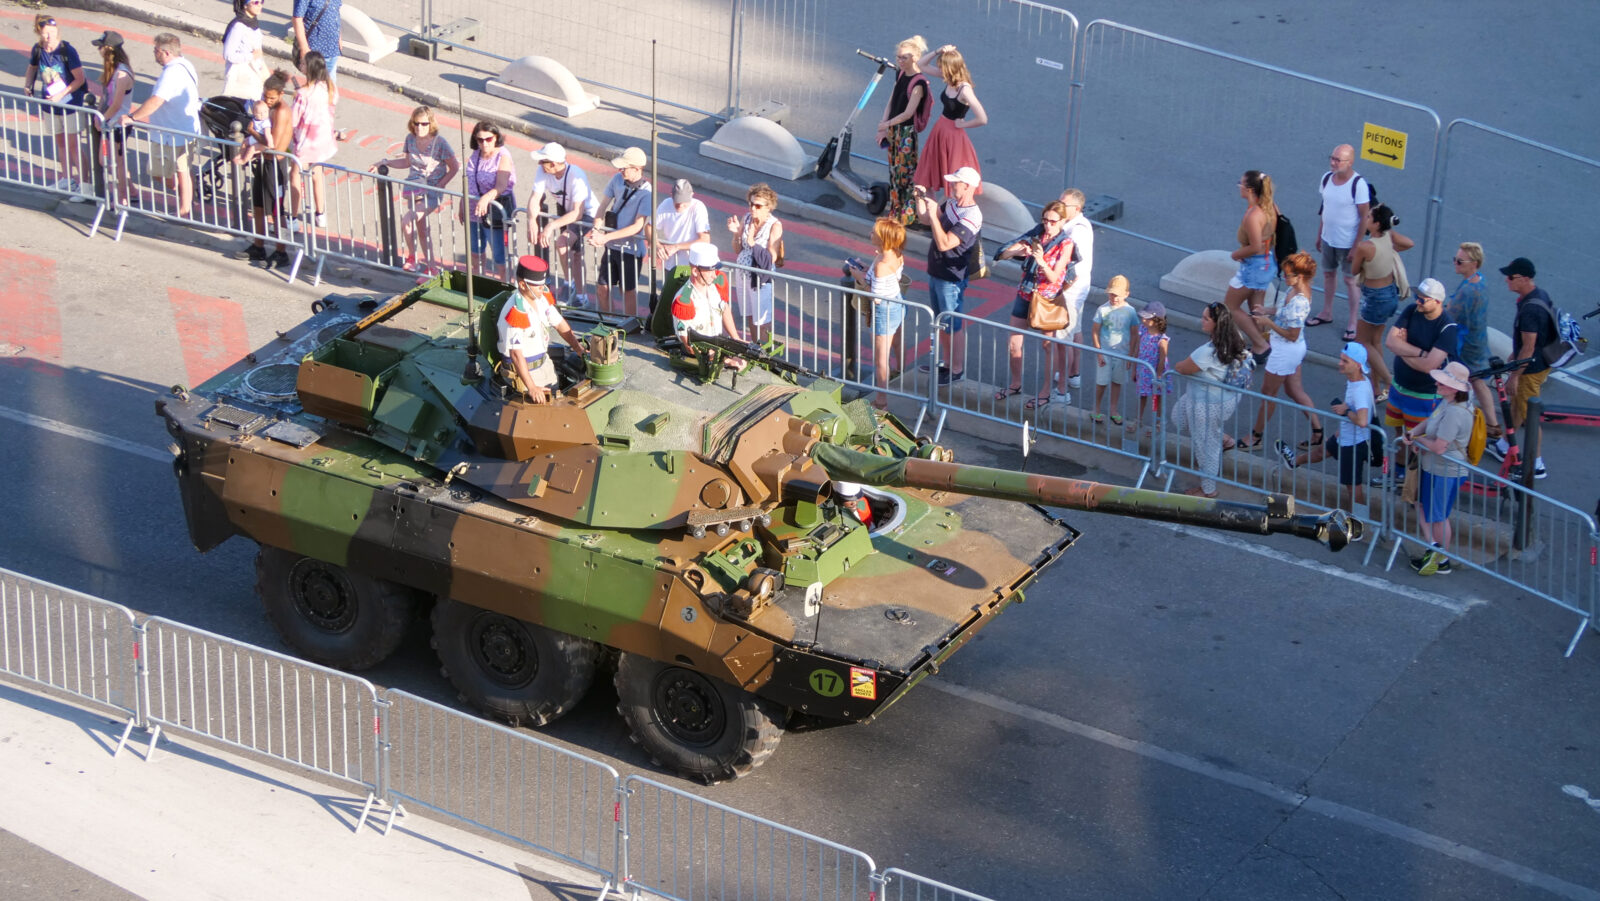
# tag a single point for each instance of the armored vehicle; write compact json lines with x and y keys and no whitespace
{"x":710,"y":533}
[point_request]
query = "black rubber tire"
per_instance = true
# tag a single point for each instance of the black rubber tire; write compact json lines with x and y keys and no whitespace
{"x":508,"y":668}
{"x":330,"y":615}
{"x":694,"y":725}
{"x":878,"y":198}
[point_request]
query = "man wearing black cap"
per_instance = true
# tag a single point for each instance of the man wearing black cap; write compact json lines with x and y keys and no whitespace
{"x":1534,"y":328}
{"x":524,"y":337}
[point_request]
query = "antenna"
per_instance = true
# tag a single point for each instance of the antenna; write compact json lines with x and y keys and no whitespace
{"x":655,"y":174}
{"x":473,"y":372}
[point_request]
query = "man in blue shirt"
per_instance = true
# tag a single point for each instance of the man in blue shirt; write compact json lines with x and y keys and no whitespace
{"x":316,"y":27}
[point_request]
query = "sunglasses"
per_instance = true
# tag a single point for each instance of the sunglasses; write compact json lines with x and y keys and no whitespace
{"x":758,"y":204}
{"x":1459,"y":261}
{"x":1049,"y":221}
{"x":484,"y":138}
{"x":415,"y":123}
{"x":47,"y":22}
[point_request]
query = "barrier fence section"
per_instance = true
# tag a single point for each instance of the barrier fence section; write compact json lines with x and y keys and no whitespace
{"x":1220,"y":413}
{"x":505,"y":782}
{"x":1202,"y":101}
{"x":53,"y":148}
{"x":802,"y":53}
{"x":608,"y":45}
{"x":302,"y":714}
{"x":72,"y":643}
{"x":828,"y":329}
{"x":999,"y":356}
{"x":203,"y":181}
{"x":381,"y":220}
{"x":899,"y":885}
{"x":1550,"y":222}
{"x":683,"y":847}
{"x":1528,"y":540}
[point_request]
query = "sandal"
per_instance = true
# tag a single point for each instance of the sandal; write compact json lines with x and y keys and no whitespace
{"x":1037,"y":402}
{"x":1381,"y":397}
{"x":1316,"y":440}
{"x":1315,"y":321}
{"x":1251,"y":443}
{"x":1228,"y":443}
{"x":1008,"y":391}
{"x":1116,"y":419}
{"x":1098,"y":418}
{"x":1349,"y":334}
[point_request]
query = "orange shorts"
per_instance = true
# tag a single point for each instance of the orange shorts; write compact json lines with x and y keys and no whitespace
{"x":1528,"y":385}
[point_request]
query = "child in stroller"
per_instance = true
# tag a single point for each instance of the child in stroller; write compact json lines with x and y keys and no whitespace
{"x":227,"y":118}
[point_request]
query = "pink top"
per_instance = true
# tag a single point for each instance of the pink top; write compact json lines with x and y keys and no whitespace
{"x":312,"y":116}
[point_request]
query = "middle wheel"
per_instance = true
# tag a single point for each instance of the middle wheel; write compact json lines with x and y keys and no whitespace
{"x":508,"y":667}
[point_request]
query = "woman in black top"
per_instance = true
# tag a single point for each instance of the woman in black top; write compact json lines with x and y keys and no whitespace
{"x":897,"y":131}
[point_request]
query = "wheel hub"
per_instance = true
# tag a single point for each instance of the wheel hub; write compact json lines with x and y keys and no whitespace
{"x":323,"y":596}
{"x":690,"y":707}
{"x":504,"y":651}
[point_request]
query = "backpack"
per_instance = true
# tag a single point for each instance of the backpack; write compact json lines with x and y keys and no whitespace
{"x":1284,"y":243}
{"x":1372,"y":193}
{"x":1479,"y":437}
{"x":1239,"y":372}
{"x":1569,"y":342}
{"x":919,"y":121}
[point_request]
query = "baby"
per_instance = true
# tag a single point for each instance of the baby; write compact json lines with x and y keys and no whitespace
{"x":258,"y":137}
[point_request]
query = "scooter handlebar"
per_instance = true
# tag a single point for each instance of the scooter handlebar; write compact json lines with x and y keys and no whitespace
{"x":882,"y":61}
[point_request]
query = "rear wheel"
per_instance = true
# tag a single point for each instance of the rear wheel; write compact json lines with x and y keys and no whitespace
{"x":878,"y":198}
{"x":510,"y":668}
{"x":329,"y":614}
{"x":692,"y":724}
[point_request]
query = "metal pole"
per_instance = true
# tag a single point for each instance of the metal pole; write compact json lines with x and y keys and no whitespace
{"x":735,"y":62}
{"x":387,"y":241}
{"x":655,"y":174}
{"x":1522,"y":514}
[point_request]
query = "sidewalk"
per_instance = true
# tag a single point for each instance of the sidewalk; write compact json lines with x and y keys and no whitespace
{"x":198,"y":823}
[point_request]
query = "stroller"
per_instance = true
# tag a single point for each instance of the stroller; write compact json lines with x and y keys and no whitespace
{"x":219,"y":116}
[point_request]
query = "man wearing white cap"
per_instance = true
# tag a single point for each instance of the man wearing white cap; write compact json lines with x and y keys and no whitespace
{"x":1355,"y":420}
{"x":625,"y":210}
{"x":681,"y":221}
{"x":955,"y":225}
{"x":575,"y":210}
{"x":701,"y":305}
{"x":1422,"y":339}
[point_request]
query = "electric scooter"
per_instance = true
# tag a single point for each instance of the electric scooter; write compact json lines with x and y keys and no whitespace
{"x":834,"y":163}
{"x":1496,"y":374}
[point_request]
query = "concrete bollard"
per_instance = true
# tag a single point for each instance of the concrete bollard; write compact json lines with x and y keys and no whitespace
{"x":544,"y":84}
{"x":361,"y":39}
{"x":759,"y":144}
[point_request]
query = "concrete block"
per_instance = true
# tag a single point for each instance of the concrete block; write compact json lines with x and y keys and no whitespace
{"x":1004,"y":216}
{"x":544,"y":84}
{"x":1204,"y":277}
{"x":360,"y":38}
{"x":1499,"y":344}
{"x":758,"y":144}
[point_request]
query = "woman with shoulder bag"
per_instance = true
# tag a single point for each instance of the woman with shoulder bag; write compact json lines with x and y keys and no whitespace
{"x":244,"y":69}
{"x":1047,"y":270}
{"x":758,"y":241}
{"x":883,"y":276}
{"x":1207,"y":405}
{"x":491,"y":193}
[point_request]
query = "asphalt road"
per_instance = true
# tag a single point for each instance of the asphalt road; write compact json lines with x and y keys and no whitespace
{"x":1170,"y":715}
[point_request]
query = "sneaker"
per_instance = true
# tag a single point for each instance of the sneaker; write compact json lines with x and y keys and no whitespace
{"x":1418,"y":564}
{"x":253,"y":253}
{"x":294,"y":226}
{"x":1441,"y":565}
{"x":1074,"y":381}
{"x":946,"y":376}
{"x":62,"y":184}
{"x":1515,"y":474}
{"x":1498,"y":449}
{"x":1061,"y":397}
{"x":322,"y":220}
{"x":1430,"y":563}
{"x":278,"y":260}
{"x":581,"y":301}
{"x":1286,"y":452}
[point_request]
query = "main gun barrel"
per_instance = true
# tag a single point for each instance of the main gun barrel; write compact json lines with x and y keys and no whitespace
{"x":1334,"y":529}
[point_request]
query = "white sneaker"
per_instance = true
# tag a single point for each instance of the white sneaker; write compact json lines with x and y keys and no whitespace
{"x":1074,"y":381}
{"x":294,"y":226}
{"x":63,"y":184}
{"x":322,"y":220}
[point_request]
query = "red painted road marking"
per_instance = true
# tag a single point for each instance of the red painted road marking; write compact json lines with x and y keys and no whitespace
{"x":211,"y":333}
{"x":28,"y":314}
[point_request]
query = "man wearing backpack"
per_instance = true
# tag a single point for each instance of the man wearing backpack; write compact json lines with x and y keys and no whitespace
{"x":1534,"y":328}
{"x":1346,"y":202}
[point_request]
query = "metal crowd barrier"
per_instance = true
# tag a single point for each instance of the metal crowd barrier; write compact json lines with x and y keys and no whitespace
{"x":683,"y":847}
{"x":222,"y":191}
{"x":72,"y":643}
{"x":988,"y":370}
{"x":1203,"y":99}
{"x":899,"y":885}
{"x":260,"y":701}
{"x":366,"y":216}
{"x":38,"y":153}
{"x":1262,"y":468}
{"x":502,"y":781}
{"x":1520,"y":537}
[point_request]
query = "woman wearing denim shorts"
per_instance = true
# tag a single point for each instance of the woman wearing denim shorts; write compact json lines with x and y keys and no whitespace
{"x":1254,"y":256}
{"x":1374,"y":263}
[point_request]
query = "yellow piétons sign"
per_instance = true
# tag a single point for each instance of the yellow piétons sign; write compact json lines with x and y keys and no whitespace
{"x":1383,"y":145}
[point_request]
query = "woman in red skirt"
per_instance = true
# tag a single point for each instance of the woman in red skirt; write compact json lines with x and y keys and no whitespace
{"x":948,"y":147}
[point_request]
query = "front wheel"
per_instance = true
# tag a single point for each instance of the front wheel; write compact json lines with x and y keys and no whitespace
{"x":878,"y":198}
{"x":694,"y":725}
{"x":510,"y":668}
{"x":329,"y":614}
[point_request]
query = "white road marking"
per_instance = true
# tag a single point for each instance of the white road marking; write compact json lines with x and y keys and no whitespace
{"x":1277,"y":793}
{"x":1579,"y":384}
{"x":100,"y":438}
{"x":1582,"y":794}
{"x":1453,"y":605}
